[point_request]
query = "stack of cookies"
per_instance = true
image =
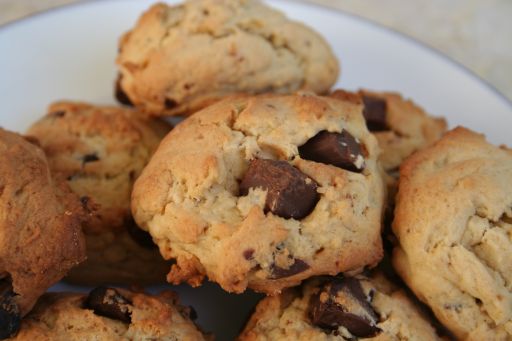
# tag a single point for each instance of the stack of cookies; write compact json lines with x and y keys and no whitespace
{"x":356,"y":213}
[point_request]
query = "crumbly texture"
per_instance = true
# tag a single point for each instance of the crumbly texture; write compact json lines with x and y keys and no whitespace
{"x":62,"y":317}
{"x":101,"y":151}
{"x":285,"y":317}
{"x":249,"y":48}
{"x":40,"y":221}
{"x":410,"y":128}
{"x":453,"y":220}
{"x":188,"y":196}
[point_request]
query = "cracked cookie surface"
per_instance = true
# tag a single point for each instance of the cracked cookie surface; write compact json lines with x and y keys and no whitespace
{"x":101,"y":151}
{"x":122,"y":315}
{"x":249,"y":48}
{"x":190,"y":199}
{"x":453,"y":220}
{"x":330,"y":309}
{"x":40,"y":224}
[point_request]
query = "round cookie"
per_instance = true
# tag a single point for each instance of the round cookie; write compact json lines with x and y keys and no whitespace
{"x":400,"y":126}
{"x":233,"y":193}
{"x":339,"y":308}
{"x":40,"y":228}
{"x":453,"y":220}
{"x":101,"y":151}
{"x":179,"y":59}
{"x":108,"y":314}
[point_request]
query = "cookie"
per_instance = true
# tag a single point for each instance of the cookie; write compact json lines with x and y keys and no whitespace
{"x":101,"y":151}
{"x":339,"y":308}
{"x":400,"y":126}
{"x":109,"y":314}
{"x":40,"y":228}
{"x":265,"y":191}
{"x":179,"y":59}
{"x":453,"y":220}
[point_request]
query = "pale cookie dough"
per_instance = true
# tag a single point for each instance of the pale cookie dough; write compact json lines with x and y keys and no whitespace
{"x":189,"y":196}
{"x":453,"y":220}
{"x":122,"y":315}
{"x":178,"y":59}
{"x":331,"y":309}
{"x":40,"y":228}
{"x":101,"y":151}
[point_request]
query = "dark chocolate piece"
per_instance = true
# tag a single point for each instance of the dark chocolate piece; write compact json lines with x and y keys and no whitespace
{"x":338,"y":149}
{"x":170,"y":103}
{"x":10,"y":316}
{"x":248,"y":254}
{"x":298,"y":266}
{"x":90,"y":158}
{"x":290,"y":193}
{"x":110,"y":303}
{"x":342,"y":302}
{"x":374,"y":112}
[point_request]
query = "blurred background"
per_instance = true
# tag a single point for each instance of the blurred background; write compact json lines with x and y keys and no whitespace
{"x":475,"y":33}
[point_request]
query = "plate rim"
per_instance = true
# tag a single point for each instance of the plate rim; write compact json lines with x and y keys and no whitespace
{"x":403,"y":36}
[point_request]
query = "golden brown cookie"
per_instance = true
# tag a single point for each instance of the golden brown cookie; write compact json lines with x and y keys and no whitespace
{"x":265,"y":191}
{"x":40,"y":228}
{"x":453,"y":220}
{"x":178,"y":59}
{"x":101,"y":151}
{"x":339,"y":308}
{"x":109,"y":314}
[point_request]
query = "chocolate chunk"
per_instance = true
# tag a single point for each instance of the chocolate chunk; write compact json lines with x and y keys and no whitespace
{"x":374,"y":112}
{"x":109,"y":303}
{"x":342,"y":302}
{"x":141,"y":237}
{"x":90,"y":158}
{"x":290,"y":193}
{"x":248,"y":254}
{"x":170,"y":103}
{"x":121,"y":96}
{"x":10,"y":317}
{"x":340,"y":150}
{"x":297,"y":267}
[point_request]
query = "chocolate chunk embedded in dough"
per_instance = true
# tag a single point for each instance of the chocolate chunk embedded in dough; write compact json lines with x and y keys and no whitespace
{"x":342,"y":302}
{"x":298,"y":266}
{"x":374,"y":112}
{"x":90,"y":158}
{"x":338,"y":149}
{"x":110,"y":303}
{"x":290,"y":193}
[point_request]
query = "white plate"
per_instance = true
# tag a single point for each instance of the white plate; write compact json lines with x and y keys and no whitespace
{"x":69,"y":53}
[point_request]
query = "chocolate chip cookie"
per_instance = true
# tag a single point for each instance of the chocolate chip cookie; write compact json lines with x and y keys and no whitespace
{"x":178,"y":59}
{"x":101,"y":151}
{"x":453,"y":220}
{"x":339,"y":308}
{"x":265,"y":191}
{"x":400,"y":126}
{"x":40,"y":229}
{"x":109,"y":314}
